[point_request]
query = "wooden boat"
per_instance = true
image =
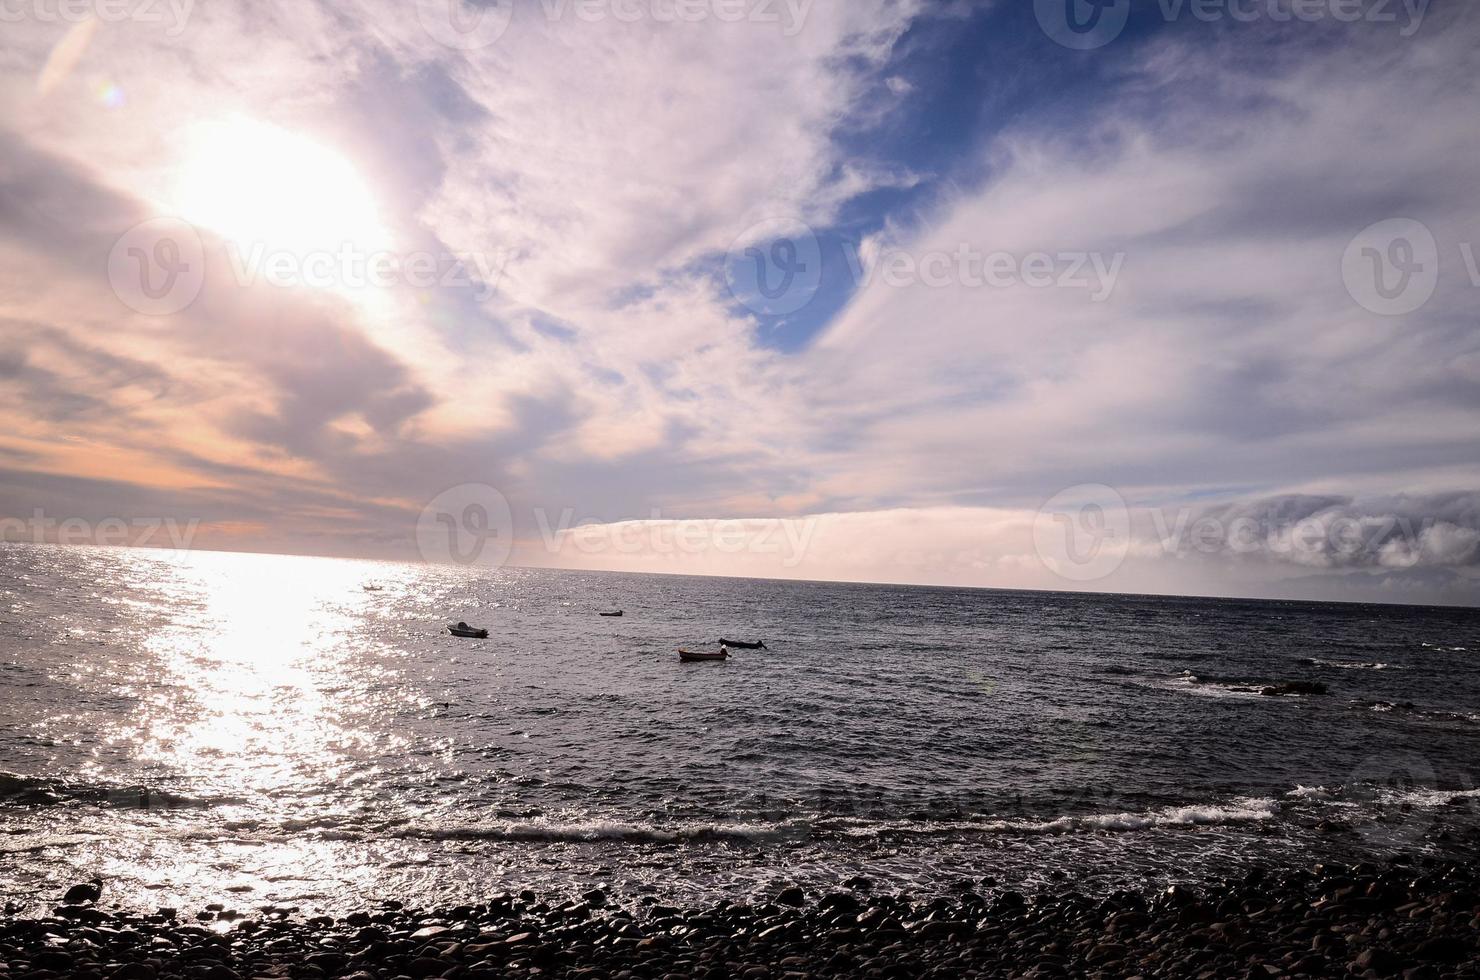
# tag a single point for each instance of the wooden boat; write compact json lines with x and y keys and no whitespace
{"x":617,"y":613}
{"x":742,"y":645}
{"x":372,"y":588}
{"x":689,"y":656}
{"x":469,"y":632}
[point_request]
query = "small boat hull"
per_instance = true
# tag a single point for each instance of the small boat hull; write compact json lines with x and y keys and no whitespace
{"x":742,"y":645}
{"x":689,"y":657}
{"x":609,"y":614}
{"x":470,"y":634}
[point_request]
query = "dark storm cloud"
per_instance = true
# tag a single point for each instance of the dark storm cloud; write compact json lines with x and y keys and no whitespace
{"x":1396,"y":533}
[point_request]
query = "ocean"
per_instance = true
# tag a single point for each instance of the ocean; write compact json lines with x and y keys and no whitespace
{"x":192,"y":727}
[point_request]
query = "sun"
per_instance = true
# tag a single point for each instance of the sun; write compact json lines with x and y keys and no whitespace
{"x":266,"y":188}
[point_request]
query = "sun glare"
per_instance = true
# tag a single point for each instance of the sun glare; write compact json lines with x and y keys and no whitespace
{"x":264,"y":187}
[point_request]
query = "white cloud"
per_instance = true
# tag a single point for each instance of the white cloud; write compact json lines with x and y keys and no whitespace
{"x":1229,"y":352}
{"x":609,"y":164}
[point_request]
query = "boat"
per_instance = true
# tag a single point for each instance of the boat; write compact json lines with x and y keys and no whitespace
{"x":617,"y":613}
{"x":742,"y":645}
{"x":372,"y":588}
{"x":470,"y":632}
{"x":689,"y":656}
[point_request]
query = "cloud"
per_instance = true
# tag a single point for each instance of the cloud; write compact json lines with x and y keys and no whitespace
{"x":1216,"y":178}
{"x":1229,"y":353}
{"x":1403,"y":532}
{"x":1409,"y":548}
{"x":589,"y":183}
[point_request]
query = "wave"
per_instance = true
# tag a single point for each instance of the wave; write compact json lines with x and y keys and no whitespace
{"x":1376,"y":793}
{"x":1205,"y":814}
{"x":1301,"y":790}
{"x":541,"y":831}
{"x":1408,"y":709}
{"x":332,"y":828}
{"x":1350,"y":664}
{"x":802,"y":827}
{"x":607,"y":830}
{"x":1215,"y":686}
{"x":18,"y":790}
{"x":1426,"y":798}
{"x":1190,"y":683}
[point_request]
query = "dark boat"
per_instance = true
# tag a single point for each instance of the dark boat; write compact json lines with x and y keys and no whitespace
{"x":372,"y":588}
{"x":742,"y":645}
{"x":688,"y":656}
{"x":470,"y":632}
{"x":617,"y":613}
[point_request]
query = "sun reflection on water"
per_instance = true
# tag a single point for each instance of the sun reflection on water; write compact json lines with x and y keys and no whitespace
{"x":259,"y":694}
{"x":257,"y":682}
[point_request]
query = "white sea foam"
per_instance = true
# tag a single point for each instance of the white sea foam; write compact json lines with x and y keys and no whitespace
{"x":1240,"y":811}
{"x":1309,"y":791}
{"x":1189,"y":683}
{"x":1424,"y":797}
{"x":1352,"y":664}
{"x":609,"y":830}
{"x":1237,"y":811}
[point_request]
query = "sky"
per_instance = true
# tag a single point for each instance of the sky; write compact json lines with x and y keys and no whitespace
{"x":1175,"y":296}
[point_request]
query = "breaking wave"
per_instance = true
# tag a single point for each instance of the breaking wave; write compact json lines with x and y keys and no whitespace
{"x":1238,"y":811}
{"x":1350,"y":664}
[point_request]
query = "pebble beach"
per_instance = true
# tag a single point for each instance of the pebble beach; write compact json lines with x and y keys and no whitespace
{"x":1411,"y":918}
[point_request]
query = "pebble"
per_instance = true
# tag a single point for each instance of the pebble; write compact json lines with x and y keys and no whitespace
{"x":1410,"y":920}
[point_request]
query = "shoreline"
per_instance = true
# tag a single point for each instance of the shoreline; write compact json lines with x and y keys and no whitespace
{"x":1414,"y":918}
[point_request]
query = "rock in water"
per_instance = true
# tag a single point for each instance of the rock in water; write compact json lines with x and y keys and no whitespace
{"x":83,"y":894}
{"x":791,"y":896}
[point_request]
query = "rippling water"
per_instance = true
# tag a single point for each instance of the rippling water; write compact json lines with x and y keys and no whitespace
{"x":190,"y":726}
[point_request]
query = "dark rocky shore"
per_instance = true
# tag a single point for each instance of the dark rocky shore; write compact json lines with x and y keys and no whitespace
{"x":1411,"y":920}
